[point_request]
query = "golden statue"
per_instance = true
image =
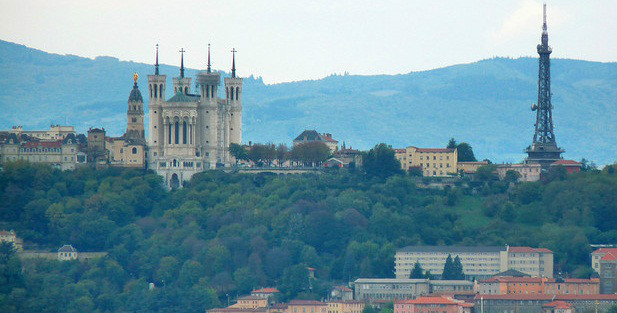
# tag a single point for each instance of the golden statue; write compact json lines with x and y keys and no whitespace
{"x":135,"y":77}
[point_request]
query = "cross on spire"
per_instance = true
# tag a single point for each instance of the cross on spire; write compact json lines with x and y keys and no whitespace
{"x":209,"y":68}
{"x":233,"y":62}
{"x":156,"y":65}
{"x":182,"y":62}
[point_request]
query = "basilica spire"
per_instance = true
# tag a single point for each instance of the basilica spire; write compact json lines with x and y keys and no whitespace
{"x":182,"y":62}
{"x":233,"y":63}
{"x":156,"y":65}
{"x":209,"y":68}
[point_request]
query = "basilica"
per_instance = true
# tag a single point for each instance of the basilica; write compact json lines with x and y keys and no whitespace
{"x":191,"y":131}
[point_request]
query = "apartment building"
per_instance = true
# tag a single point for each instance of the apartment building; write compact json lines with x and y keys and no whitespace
{"x":478,"y":262}
{"x":432,"y":161}
{"x":598,"y":254}
{"x":372,"y":289}
{"x":533,"y":303}
{"x":306,"y":306}
{"x":536,"y":285}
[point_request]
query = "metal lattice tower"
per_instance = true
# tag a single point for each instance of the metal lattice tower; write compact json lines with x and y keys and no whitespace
{"x":544,"y":148}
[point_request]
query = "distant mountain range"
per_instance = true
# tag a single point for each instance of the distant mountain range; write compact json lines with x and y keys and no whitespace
{"x":486,"y":103}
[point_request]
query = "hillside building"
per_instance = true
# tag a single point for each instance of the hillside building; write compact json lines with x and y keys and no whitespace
{"x":537,"y":285}
{"x":64,"y":154}
{"x":191,"y":132}
{"x":432,"y":305}
{"x":313,"y":136}
{"x":478,"y":262}
{"x":533,"y":303}
{"x":431,"y":161}
{"x":67,"y":253}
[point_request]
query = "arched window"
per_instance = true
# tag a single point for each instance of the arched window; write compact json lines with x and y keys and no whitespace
{"x":150,"y":90}
{"x":237,"y":92}
{"x":184,"y":129}
{"x":186,"y":90}
{"x":226,"y":92}
{"x":134,"y":150}
{"x":155,"y":96}
{"x":177,"y":135}
{"x":232,"y":92}
{"x":169,"y":135}
{"x":161,"y":90}
{"x":207,"y":91}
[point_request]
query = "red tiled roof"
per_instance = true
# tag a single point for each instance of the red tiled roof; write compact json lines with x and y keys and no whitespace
{"x":306,"y":302}
{"x":606,"y":250}
{"x":608,"y":256}
{"x":566,"y":162}
{"x":43,"y":144}
{"x":266,"y":290}
{"x":566,"y":297}
{"x":513,"y":279}
{"x":558,"y":305}
{"x":429,"y":300}
{"x":528,"y":250}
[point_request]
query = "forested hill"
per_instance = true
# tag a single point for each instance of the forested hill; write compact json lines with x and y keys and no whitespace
{"x":227,"y":233}
{"x":486,"y":103}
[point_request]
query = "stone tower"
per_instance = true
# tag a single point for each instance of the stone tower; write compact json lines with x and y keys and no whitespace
{"x":156,"y":85}
{"x":233,"y":90}
{"x":208,"y":82}
{"x":135,"y":113}
{"x":544,"y":148}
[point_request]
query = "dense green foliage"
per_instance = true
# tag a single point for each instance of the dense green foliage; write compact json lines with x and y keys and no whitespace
{"x":227,"y":233}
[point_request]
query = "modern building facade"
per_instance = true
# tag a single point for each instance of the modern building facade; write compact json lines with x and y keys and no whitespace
{"x":478,"y":262}
{"x":191,"y":132}
{"x":432,"y":161}
{"x":372,"y":289}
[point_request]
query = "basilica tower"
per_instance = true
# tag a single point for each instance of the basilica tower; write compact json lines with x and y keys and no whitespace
{"x":156,"y":86}
{"x":135,"y":113}
{"x":544,"y":148}
{"x":182,"y":84}
{"x":208,"y":83}
{"x":233,"y":89}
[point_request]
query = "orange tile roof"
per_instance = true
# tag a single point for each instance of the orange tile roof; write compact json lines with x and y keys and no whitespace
{"x":429,"y":300}
{"x":513,"y":279}
{"x":558,"y":305}
{"x":566,"y":297}
{"x":608,"y":256}
{"x":566,"y":162}
{"x":606,"y":250}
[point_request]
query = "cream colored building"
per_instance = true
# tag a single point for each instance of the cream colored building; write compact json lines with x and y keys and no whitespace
{"x":55,"y":132}
{"x":528,"y":171}
{"x":250,"y":302}
{"x":345,"y":306}
{"x":62,"y":154}
{"x":478,"y":262}
{"x":432,"y":161}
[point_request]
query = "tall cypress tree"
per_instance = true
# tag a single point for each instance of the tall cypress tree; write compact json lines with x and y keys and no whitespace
{"x":417,"y":271}
{"x":458,"y":269}
{"x":448,"y":269}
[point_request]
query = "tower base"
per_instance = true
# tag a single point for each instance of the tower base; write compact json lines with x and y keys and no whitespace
{"x":543,"y":153}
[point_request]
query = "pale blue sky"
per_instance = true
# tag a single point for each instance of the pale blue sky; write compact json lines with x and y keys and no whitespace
{"x":295,"y":40}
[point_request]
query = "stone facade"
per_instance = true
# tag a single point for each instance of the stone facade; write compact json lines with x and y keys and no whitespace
{"x":190,"y":133}
{"x":63,"y":154}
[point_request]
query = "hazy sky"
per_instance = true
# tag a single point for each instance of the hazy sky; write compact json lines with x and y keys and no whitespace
{"x":293,"y":40}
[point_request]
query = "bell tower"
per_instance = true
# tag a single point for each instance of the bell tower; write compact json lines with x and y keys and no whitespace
{"x":156,"y":86}
{"x":544,"y":148}
{"x":135,"y":113}
{"x":233,"y":90}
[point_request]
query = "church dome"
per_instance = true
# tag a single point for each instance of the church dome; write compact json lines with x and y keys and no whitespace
{"x":135,"y":94}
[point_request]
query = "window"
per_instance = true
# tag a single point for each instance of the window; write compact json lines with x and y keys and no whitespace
{"x":134,"y":150}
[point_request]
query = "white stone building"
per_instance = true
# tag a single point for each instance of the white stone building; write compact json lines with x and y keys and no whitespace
{"x":191,"y":132}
